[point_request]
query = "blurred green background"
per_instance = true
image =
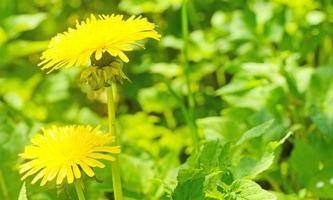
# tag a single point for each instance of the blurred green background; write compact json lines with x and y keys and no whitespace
{"x":251,"y":61}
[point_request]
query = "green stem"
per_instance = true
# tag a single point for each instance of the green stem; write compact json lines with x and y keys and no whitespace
{"x":190,"y":98}
{"x":116,"y":180}
{"x":180,"y":103}
{"x":78,"y":189}
{"x":170,"y":120}
{"x":3,"y":186}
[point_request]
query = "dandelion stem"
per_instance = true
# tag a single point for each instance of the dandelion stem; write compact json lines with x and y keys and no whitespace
{"x":78,"y":189}
{"x":191,"y":104}
{"x":116,"y":180}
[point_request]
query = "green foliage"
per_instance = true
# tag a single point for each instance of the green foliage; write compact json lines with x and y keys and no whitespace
{"x":220,"y":171}
{"x":23,"y":193}
{"x":261,"y":73}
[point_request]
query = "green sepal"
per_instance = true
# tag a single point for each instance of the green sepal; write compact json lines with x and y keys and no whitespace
{"x":99,"y":77}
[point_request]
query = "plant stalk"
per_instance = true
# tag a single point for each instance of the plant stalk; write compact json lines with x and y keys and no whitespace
{"x":190,"y":99}
{"x":3,"y":186}
{"x":79,"y":191}
{"x":116,"y":180}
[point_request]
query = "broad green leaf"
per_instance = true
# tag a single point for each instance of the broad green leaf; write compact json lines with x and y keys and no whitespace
{"x":191,"y":189}
{"x":26,"y":48}
{"x":222,"y":128}
{"x":321,"y":85}
{"x":322,"y":121}
{"x":16,"y":24}
{"x":212,"y":155}
{"x":137,"y":173}
{"x":255,"y":98}
{"x":256,"y":131}
{"x":303,"y":167}
{"x":239,"y":86}
{"x":250,"y":168}
{"x":248,"y":190}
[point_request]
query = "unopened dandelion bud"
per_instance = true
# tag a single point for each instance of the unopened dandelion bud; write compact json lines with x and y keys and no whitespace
{"x":98,"y":77}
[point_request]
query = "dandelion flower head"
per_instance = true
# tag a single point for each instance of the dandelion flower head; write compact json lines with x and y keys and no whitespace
{"x":66,"y":152}
{"x":95,"y":36}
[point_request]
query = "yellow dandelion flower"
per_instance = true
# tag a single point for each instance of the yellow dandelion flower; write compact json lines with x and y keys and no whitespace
{"x":66,"y":152}
{"x":111,"y":34}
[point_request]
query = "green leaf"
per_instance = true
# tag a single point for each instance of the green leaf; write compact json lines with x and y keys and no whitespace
{"x":26,"y":48}
{"x":215,"y":183}
{"x":248,"y":167}
{"x":205,"y":167}
{"x":256,"y":131}
{"x":16,"y":24}
{"x":137,"y":173}
{"x":323,"y":122}
{"x":23,"y":193}
{"x":248,"y":190}
{"x":239,"y":86}
{"x":303,"y":167}
{"x":213,"y":155}
{"x":276,"y":144}
{"x":191,"y":189}
{"x":222,"y":128}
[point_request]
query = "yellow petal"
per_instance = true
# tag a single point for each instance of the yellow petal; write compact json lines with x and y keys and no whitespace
{"x":38,"y":176}
{"x":102,"y":156}
{"x":47,"y":174}
{"x":70,"y":176}
{"x":98,"y":54}
{"x":31,"y":172}
{"x":115,"y":149}
{"x":76,"y":170}
{"x":86,"y":169}
{"x":93,"y":162}
{"x":61,"y":175}
{"x":123,"y":57}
